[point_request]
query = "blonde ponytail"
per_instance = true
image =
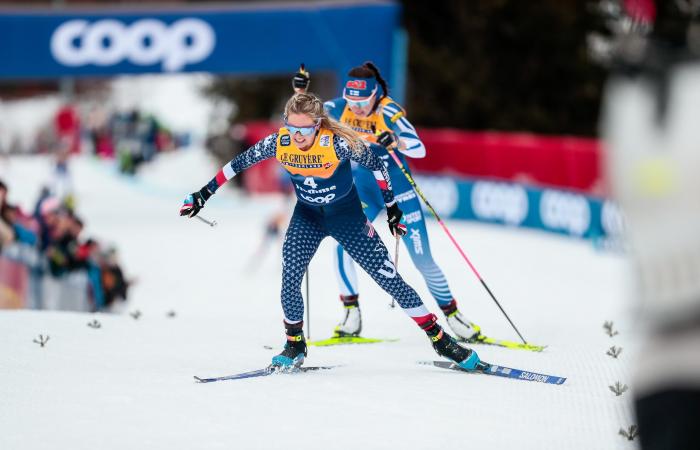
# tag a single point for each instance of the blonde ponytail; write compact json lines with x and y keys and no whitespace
{"x":310,"y":105}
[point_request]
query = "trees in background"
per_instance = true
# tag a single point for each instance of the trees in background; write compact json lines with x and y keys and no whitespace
{"x":503,"y":64}
{"x":508,"y":65}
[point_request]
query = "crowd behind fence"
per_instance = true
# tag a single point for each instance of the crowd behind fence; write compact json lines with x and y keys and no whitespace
{"x":47,"y":262}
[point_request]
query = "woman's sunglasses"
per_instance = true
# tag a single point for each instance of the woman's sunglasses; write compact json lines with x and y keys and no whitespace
{"x":359,"y":103}
{"x":304,"y":131}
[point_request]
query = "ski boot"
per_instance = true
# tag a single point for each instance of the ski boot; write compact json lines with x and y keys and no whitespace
{"x":463,"y":329}
{"x":292,"y":356}
{"x":446,"y":346}
{"x":352,"y":323}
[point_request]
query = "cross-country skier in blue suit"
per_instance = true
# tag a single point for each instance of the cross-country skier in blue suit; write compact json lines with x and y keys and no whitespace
{"x":316,"y":152}
{"x":366,"y":108}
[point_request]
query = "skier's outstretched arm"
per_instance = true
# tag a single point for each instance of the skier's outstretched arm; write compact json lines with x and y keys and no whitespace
{"x":262,"y":150}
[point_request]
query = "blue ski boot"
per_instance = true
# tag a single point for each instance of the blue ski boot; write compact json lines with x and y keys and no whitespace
{"x":446,"y":346}
{"x":292,"y":356}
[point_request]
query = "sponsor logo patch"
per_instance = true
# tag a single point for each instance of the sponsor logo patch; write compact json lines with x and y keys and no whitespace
{"x":321,"y":200}
{"x":405,"y":196}
{"x":417,"y":243}
{"x":412,"y":217}
{"x":356,"y":84}
{"x":325,"y":141}
{"x":285,"y":140}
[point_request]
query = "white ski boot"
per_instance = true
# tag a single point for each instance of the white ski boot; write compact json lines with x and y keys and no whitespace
{"x":463,"y":329}
{"x":352,"y":322}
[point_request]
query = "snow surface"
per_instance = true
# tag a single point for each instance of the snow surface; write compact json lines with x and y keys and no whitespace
{"x":129,"y":383}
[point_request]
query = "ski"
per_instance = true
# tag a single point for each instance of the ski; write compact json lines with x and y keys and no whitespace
{"x":500,"y":371}
{"x":344,"y":340}
{"x":481,"y":339}
{"x":270,"y":370}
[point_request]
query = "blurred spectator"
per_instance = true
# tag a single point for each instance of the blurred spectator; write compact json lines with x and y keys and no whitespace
{"x":137,"y":137}
{"x":62,"y":252}
{"x":61,"y":183}
{"x":7,"y":234}
{"x":67,"y":128}
{"x":46,"y":214}
{"x":114,"y":284}
{"x":98,"y":129}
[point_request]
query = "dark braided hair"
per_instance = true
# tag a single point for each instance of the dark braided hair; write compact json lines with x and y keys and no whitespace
{"x":369,"y":70}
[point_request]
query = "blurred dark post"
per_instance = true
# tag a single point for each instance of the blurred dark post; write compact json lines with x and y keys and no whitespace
{"x":650,"y":125}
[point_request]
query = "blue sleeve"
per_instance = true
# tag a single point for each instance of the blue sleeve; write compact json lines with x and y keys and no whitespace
{"x":262,"y":150}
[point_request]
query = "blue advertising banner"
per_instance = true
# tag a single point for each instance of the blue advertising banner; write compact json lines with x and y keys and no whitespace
{"x":267,"y":39}
{"x":557,"y":211}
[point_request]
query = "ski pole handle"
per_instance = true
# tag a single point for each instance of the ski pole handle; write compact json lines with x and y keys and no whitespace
{"x":211,"y":223}
{"x":301,"y":80}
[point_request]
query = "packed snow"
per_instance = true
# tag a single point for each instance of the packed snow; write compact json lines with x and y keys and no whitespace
{"x":210,"y":306}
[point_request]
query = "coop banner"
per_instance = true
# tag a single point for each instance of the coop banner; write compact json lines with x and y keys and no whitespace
{"x":517,"y":205}
{"x":248,"y":40}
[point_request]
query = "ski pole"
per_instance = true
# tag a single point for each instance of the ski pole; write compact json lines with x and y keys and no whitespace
{"x":211,"y":223}
{"x":396,"y":263}
{"x":454,"y":241}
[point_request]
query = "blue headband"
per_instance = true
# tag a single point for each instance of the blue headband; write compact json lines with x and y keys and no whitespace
{"x":360,"y":87}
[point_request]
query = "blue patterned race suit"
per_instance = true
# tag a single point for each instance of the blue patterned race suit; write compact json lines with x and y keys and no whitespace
{"x":328,"y":205}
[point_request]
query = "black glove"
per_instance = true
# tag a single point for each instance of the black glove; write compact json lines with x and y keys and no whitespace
{"x":194,"y":202}
{"x":386,"y":139}
{"x":301,"y":80}
{"x":394,"y":218}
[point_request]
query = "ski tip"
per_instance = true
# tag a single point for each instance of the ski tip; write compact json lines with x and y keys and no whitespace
{"x":198,"y":380}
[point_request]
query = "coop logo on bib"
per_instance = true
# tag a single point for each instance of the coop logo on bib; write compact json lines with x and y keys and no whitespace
{"x":500,"y":201}
{"x":565,"y":211}
{"x":145,"y":42}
